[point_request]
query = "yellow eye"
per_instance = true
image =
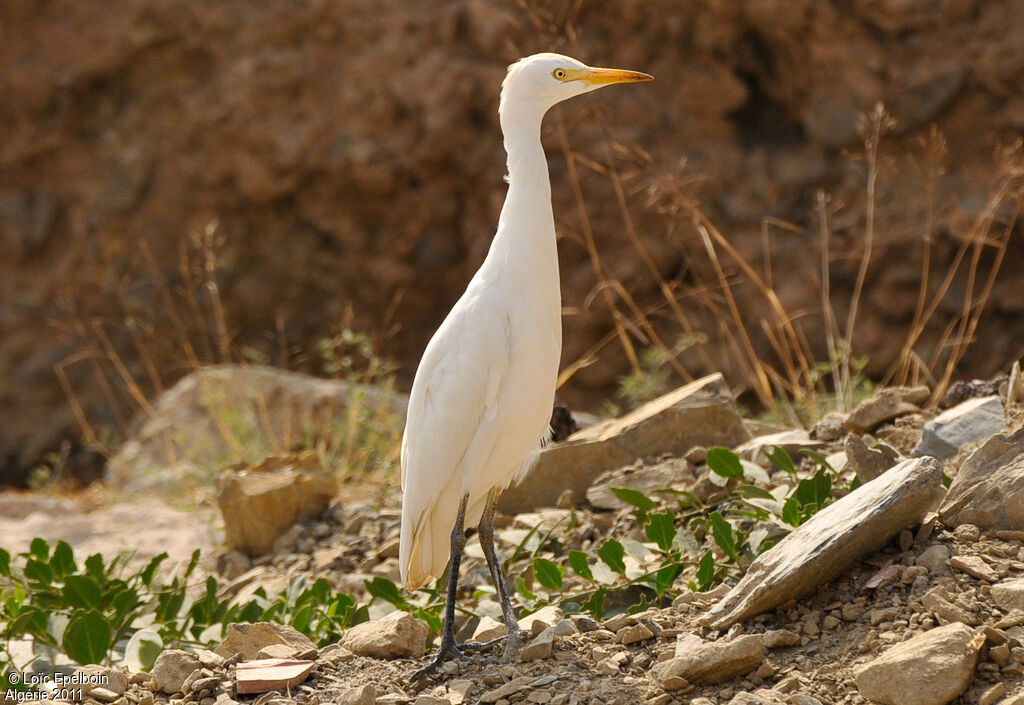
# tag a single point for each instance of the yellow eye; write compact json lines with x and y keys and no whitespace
{"x":559,"y":74}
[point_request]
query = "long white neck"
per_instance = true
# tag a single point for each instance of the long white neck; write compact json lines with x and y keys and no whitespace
{"x":524,"y":246}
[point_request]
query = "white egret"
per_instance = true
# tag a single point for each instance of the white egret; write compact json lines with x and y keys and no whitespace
{"x":484,"y":390}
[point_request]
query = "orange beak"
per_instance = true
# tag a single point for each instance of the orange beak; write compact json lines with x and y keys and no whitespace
{"x":603,"y":77}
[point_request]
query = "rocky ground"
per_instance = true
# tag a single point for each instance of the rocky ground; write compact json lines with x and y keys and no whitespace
{"x":927,"y":608}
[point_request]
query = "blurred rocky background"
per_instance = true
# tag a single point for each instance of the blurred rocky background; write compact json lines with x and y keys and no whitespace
{"x":185,"y":183}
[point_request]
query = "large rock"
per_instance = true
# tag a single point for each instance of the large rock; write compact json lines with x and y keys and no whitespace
{"x":966,"y":423}
{"x":247,"y":640}
{"x":1009,"y":594}
{"x":832,"y":540}
{"x":988,"y":489}
{"x":261,"y":502}
{"x":396,"y":635}
{"x":233,"y":414}
{"x":700,"y":413}
{"x":930,"y":669}
{"x":710,"y":662}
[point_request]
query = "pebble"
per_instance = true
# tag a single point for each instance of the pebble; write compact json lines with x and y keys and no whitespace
{"x":991,"y":695}
{"x":633,"y":634}
{"x":974,"y":566}
{"x":966,"y":533}
{"x":935,"y":559}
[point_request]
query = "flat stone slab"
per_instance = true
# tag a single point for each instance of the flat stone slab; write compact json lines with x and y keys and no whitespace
{"x":969,"y":422}
{"x":700,"y":413}
{"x":835,"y":538}
{"x":988,"y":490}
{"x":888,"y":404}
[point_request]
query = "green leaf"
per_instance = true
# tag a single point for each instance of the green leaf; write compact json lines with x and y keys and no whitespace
{"x":780,"y":459}
{"x":724,"y":462}
{"x":547,"y":573}
{"x":63,"y":560}
{"x":665,"y":577}
{"x":150,"y":570}
{"x":302,"y":619}
{"x":94,"y":567}
{"x":595,"y":604}
{"x":634,"y":498}
{"x":142,"y":649}
{"x":385,"y":590}
{"x":523,"y":591}
{"x":706,"y":571}
{"x":5,"y":563}
{"x":661,"y":529}
{"x":30,"y":620}
{"x":40,"y":549}
{"x":87,"y":638}
{"x":38,"y":572}
{"x":580,"y":564}
{"x":82,"y":591}
{"x":754,"y":492}
{"x":611,"y":553}
{"x":820,"y":459}
{"x":192,"y":564}
{"x":722,"y":531}
{"x":813,"y":493}
{"x":791,"y":512}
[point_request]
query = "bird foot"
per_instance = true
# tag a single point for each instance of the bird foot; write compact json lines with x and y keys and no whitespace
{"x":443,"y":654}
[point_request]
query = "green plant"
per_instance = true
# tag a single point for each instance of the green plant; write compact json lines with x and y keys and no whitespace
{"x":88,"y":612}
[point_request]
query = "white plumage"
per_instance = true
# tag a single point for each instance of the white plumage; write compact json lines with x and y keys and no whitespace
{"x":484,"y":390}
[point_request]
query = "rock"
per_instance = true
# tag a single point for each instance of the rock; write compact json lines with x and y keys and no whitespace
{"x":279,"y":651}
{"x":395,"y":635}
{"x":935,"y":559}
{"x":675,"y":473}
{"x":988,"y":490}
{"x":1015,"y":385}
{"x":504,"y":691}
{"x":992,"y":694}
{"x":761,"y":696}
{"x":113,"y":679}
{"x":888,"y":404}
{"x":968,"y":422}
{"x":967,"y":533}
{"x":935,"y":601}
{"x":264,"y":675}
{"x":780,"y":638}
{"x":489,"y":628}
{"x":260,"y":502}
{"x":1009,"y":594}
{"x":459,"y":690}
{"x":246,"y":639}
{"x":829,"y":427}
{"x":932,"y":668}
{"x":972,"y":565}
{"x":792,"y":442}
{"x":171,"y":669}
{"x":365,"y":694}
{"x":183,"y":434}
{"x":867,"y":462}
{"x":547,"y":616}
{"x":700,"y":413}
{"x":838,"y":536}
{"x":633,"y":634}
{"x":711,"y":662}
{"x":540,"y":646}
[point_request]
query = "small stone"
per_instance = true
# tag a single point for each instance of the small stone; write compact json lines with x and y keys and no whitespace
{"x":278,"y":651}
{"x":932,"y":668}
{"x":934,"y":601}
{"x":765,"y":670}
{"x":935,"y":559}
{"x":506,"y":690}
{"x":617,"y":622}
{"x":547,"y":616}
{"x":585,"y":623}
{"x":459,"y":690}
{"x":489,"y":629}
{"x":539,"y":647}
{"x":365,"y":694}
{"x":633,"y":634}
{"x":991,"y":695}
{"x":103,"y":695}
{"x":172,"y":668}
{"x":803,"y":699}
{"x":780,"y":638}
{"x":245,"y":639}
{"x":906,"y":540}
{"x":969,"y":422}
{"x":712,"y":662}
{"x":564,"y":628}
{"x":1000,"y":654}
{"x":1009,"y":594}
{"x":810,"y":628}
{"x":887,"y":405}
{"x":974,"y":566}
{"x":852,"y":612}
{"x":396,"y":635}
{"x":830,"y":622}
{"x":967,"y":533}
{"x":430,"y":700}
{"x":541,"y":697}
{"x":113,"y":679}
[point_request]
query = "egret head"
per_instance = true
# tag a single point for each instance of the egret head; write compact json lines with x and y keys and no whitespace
{"x":542,"y":80}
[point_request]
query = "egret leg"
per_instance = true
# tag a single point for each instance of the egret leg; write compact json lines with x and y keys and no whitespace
{"x":486,"y":528}
{"x":448,"y":647}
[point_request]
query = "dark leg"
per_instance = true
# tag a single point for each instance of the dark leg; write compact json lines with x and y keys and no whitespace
{"x":448,"y":647}
{"x":486,"y":529}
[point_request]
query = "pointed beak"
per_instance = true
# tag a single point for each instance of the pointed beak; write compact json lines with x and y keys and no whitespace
{"x":604,"y":77}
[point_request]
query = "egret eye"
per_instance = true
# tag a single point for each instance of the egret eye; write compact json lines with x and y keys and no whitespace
{"x":559,"y":74}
